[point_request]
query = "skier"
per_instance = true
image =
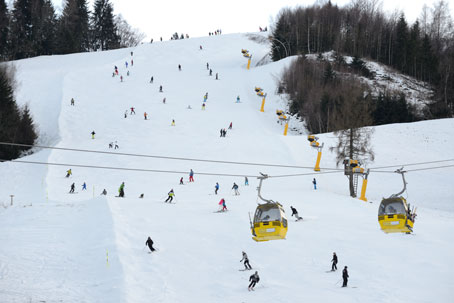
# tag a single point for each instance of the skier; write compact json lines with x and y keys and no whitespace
{"x":216,"y":188}
{"x":200,"y":47}
{"x":217,"y":76}
{"x":149,"y":242}
{"x":246,"y":181}
{"x":238,"y":99}
{"x":220,"y":131}
{"x":141,"y":196}
{"x":72,"y":101}
{"x":164,"y":100}
{"x":104,"y":192}
{"x":345,"y":276}
{"x":191,"y":176}
{"x":93,"y":134}
{"x":84,"y":186}
{"x":334,"y":260}
{"x":116,"y":145}
{"x":126,"y":64}
{"x":203,"y":106}
{"x":151,"y":80}
{"x":206,"y":96}
{"x":69,"y":173}
{"x":171,"y":194}
{"x":230,"y":126}
{"x":111,"y":145}
{"x":132,"y":54}
{"x":189,"y":107}
{"x":160,"y":88}
{"x":132,"y":111}
{"x":254,"y":280}
{"x":222,"y":203}
{"x":121,"y":190}
{"x":224,"y":132}
{"x":315,"y":183}
{"x":211,"y":72}
{"x":295,"y":212}
{"x":132,"y":62}
{"x":121,"y":78}
{"x":247,"y":266}
{"x":126,"y":113}
{"x":235,"y":187}
{"x":127,"y":74}
{"x":145,"y":115}
{"x":173,"y":123}
{"x":179,"y":67}
{"x":208,"y":66}
{"x":181,"y":181}
{"x":73,"y":187}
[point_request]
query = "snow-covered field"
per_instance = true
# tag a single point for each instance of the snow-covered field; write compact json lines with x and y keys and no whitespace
{"x":57,"y":247}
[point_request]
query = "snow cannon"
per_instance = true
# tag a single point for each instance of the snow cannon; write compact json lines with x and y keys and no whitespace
{"x":270,"y":222}
{"x":315,"y":144}
{"x":394,"y":213}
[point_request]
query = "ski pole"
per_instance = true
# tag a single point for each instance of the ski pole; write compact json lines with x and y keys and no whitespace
{"x":338,"y":282}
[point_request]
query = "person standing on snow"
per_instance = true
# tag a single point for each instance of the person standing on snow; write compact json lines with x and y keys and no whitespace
{"x":149,"y":242}
{"x":334,"y":260}
{"x":191,"y":176}
{"x":132,"y":111}
{"x":254,"y":280}
{"x":93,"y":134}
{"x":222,"y":203}
{"x":171,"y":194}
{"x":235,"y":187}
{"x":181,"y":181}
{"x":126,"y":113}
{"x":145,"y":115}
{"x":104,"y":192}
{"x":126,"y":64}
{"x":179,"y":67}
{"x":203,"y":106}
{"x":216,"y":188}
{"x":160,"y":88}
{"x":211,"y":72}
{"x":73,"y":187}
{"x":217,"y":76}
{"x":151,"y":80}
{"x":121,"y":78}
{"x":69,"y":173}
{"x":208,"y":66}
{"x":231,"y":125}
{"x":121,"y":190}
{"x":345,"y":276}
{"x":246,"y":181}
{"x":173,"y":123}
{"x":247,"y":266}
{"x":295,"y":212}
{"x":315,"y":183}
{"x":238,"y":99}
{"x":84,"y":186}
{"x":72,"y":101}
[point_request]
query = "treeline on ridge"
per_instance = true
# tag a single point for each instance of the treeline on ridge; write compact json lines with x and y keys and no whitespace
{"x":424,"y":50}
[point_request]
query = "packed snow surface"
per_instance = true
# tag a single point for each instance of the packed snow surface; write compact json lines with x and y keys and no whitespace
{"x":84,"y":247}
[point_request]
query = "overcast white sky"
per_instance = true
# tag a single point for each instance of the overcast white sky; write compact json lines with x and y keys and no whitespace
{"x":198,"y":17}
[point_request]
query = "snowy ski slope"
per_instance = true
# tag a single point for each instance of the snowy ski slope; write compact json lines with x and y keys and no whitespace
{"x":56,"y":247}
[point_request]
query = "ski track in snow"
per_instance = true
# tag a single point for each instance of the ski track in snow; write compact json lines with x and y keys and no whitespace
{"x":54,"y":246}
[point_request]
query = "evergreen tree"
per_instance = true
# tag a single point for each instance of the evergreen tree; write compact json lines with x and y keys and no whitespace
{"x":13,"y":127}
{"x":329,"y":74}
{"x":400,"y":49}
{"x":4,"y":30}
{"x":73,"y":31}
{"x":103,"y":27}
{"x":21,"y":29}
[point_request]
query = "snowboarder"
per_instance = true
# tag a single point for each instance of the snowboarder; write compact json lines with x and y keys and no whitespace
{"x":145,"y":115}
{"x":173,"y":123}
{"x":121,"y":190}
{"x":160,"y":88}
{"x":84,"y":186}
{"x":181,"y":181}
{"x":235,"y":187}
{"x":72,"y":101}
{"x":179,"y":67}
{"x":132,"y":111}
{"x":246,"y":181}
{"x":315,"y":183}
{"x":151,"y":80}
{"x":191,"y":176}
{"x":171,"y":194}
{"x":295,"y":212}
{"x":69,"y":173}
{"x":231,"y":125}
{"x":247,"y":266}
{"x":222,"y":203}
{"x":149,"y":242}
{"x":73,"y":187}
{"x":216,"y":188}
{"x":93,"y":134}
{"x":104,"y":192}
{"x":238,"y":99}
{"x":334,"y":260}
{"x":254,"y":280}
{"x":345,"y":276}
